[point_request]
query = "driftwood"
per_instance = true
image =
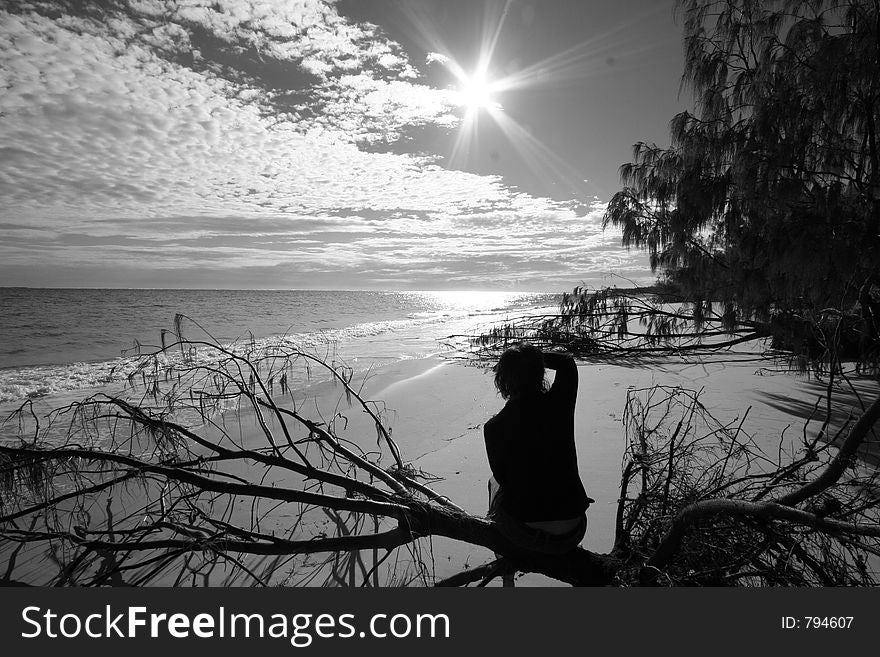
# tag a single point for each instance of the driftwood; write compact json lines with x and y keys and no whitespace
{"x":158,"y":488}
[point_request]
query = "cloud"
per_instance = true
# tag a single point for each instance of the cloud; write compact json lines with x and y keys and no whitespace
{"x":436,"y":57}
{"x":128,"y":140}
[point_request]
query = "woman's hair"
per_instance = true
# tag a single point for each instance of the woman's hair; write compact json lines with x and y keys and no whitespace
{"x":520,"y":370}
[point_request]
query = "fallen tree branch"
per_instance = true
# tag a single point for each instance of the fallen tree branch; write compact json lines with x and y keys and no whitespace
{"x":763,"y":511}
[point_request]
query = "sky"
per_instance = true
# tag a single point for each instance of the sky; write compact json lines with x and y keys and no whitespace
{"x":326,"y":144}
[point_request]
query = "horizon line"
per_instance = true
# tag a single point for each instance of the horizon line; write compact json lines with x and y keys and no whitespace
{"x":277,"y":289}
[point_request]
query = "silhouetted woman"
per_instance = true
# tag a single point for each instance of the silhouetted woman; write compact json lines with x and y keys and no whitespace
{"x":536,"y":494}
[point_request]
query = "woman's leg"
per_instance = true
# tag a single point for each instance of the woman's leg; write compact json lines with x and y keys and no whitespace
{"x":494,"y":490}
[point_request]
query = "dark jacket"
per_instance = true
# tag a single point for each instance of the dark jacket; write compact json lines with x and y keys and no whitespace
{"x":531,"y":450}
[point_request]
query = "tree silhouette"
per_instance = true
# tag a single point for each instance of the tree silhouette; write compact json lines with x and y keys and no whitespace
{"x":767,"y":202}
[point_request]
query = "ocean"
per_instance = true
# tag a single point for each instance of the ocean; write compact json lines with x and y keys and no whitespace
{"x":60,"y":344}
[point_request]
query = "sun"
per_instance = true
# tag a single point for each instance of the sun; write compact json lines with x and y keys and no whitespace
{"x":475,"y":93}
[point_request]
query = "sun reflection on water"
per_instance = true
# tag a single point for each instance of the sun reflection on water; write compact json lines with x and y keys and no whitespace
{"x":471,"y":300}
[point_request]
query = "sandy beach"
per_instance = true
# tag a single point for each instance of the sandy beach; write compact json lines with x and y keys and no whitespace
{"x":437,"y":409}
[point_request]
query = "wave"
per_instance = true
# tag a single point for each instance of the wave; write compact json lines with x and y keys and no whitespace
{"x":417,"y":334}
{"x":18,"y":384}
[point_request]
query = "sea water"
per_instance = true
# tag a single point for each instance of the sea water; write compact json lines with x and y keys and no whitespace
{"x":57,"y":344}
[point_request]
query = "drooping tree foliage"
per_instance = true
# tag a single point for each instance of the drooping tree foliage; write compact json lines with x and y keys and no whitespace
{"x":762,"y":217}
{"x":767,"y":203}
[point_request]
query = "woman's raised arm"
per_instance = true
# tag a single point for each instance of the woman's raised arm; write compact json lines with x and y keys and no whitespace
{"x":566,"y":381}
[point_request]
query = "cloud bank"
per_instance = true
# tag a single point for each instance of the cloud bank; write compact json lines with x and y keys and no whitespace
{"x":241,"y":140}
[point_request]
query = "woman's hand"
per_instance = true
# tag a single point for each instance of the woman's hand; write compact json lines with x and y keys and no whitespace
{"x":555,"y":360}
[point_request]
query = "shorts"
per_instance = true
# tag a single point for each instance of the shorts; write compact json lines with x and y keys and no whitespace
{"x":529,"y":538}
